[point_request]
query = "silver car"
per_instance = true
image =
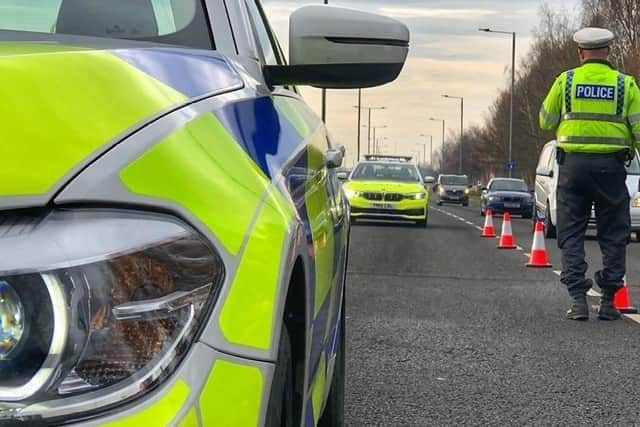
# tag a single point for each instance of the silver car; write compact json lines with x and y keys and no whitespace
{"x":547,"y":186}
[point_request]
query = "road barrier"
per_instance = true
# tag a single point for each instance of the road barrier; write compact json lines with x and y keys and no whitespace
{"x":488,"y":230}
{"x":507,"y":240}
{"x":539,"y":258}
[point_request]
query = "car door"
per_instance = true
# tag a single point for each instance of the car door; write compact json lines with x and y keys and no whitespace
{"x":544,"y":183}
{"x":317,"y":195}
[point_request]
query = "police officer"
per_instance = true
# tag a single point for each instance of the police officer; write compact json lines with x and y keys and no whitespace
{"x":595,"y":111}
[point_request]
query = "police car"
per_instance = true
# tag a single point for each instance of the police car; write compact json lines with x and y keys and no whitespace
{"x":389,"y":188}
{"x":173,"y":239}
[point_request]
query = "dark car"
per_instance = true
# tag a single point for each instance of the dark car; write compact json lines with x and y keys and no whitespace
{"x":453,"y":189}
{"x":507,"y":195}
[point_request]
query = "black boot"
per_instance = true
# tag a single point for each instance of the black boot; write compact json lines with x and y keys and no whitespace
{"x":579,"y":309}
{"x":607,"y":310}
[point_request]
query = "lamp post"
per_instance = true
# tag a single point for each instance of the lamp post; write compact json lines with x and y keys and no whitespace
{"x":513,"y":83}
{"x":430,"y":149}
{"x":359,"y":107}
{"x":443,"y":126}
{"x":369,"y":122}
{"x":461,"y":98}
{"x":372,"y":146}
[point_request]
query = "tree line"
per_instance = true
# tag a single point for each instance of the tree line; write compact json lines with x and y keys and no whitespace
{"x":485,"y":147}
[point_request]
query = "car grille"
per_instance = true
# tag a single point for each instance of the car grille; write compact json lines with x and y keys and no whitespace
{"x":512,"y":199}
{"x":373,"y":196}
{"x":393,"y":197}
{"x":454,"y":192}
{"x":387,"y":197}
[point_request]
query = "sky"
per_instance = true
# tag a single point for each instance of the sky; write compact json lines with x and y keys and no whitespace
{"x":447,"y":56}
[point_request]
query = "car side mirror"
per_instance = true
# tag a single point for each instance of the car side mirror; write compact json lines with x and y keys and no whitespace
{"x":337,"y":48}
{"x":333,"y":158}
{"x":428,"y":180}
{"x":342,"y":176}
{"x":544,"y":171}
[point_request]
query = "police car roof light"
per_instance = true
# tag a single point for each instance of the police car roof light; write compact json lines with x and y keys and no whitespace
{"x":387,"y":157}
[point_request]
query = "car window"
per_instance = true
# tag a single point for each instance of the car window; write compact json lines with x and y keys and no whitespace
{"x":181,"y":22}
{"x":508,"y":185}
{"x":386,"y":172}
{"x":263,"y":33}
{"x":454,"y":180}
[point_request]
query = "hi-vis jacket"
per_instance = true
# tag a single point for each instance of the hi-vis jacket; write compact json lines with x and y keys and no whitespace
{"x":594,"y":109}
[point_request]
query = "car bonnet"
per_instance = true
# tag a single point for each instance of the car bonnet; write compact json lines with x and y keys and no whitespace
{"x":65,"y":105}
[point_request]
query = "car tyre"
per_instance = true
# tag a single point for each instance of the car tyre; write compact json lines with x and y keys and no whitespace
{"x":465,"y":204}
{"x":439,"y":203}
{"x":333,"y":415}
{"x":280,"y":411}
{"x":550,"y":231}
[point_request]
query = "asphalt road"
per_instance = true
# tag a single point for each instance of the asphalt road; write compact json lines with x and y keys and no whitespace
{"x":444,"y":329}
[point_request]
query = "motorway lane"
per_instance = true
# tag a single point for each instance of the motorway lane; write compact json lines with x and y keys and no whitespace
{"x":523,"y":232}
{"x":443,"y":329}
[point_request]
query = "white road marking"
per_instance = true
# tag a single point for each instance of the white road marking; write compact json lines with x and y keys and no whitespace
{"x":634,"y":317}
{"x":557,"y":272}
{"x":594,"y":293}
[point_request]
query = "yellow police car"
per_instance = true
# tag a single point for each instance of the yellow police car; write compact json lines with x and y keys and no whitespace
{"x":389,"y":188}
{"x":173,"y":239}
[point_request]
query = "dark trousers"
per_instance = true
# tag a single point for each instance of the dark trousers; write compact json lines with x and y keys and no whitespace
{"x":588,"y":180}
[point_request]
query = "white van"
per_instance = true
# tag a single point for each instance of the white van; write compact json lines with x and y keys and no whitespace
{"x":547,"y":186}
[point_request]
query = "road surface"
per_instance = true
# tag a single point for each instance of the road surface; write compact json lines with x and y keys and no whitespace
{"x":444,"y":329}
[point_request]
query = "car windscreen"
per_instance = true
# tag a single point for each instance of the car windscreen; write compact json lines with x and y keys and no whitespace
{"x":454,"y":180}
{"x":177,"y":22}
{"x":509,"y":185}
{"x":386,"y":172}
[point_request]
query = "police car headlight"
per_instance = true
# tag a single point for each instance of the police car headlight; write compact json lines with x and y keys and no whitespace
{"x":418,"y":196}
{"x":352,"y":193}
{"x":97,"y":307}
{"x":636,"y":202}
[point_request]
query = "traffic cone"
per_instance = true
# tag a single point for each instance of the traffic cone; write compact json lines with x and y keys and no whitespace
{"x":622,"y":300}
{"x":507,"y":241}
{"x":488,"y":230}
{"x":539,"y":257}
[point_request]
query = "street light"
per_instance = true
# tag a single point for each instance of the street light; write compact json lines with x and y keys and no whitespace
{"x":513,"y":83}
{"x":443,"y":126}
{"x":324,"y":95}
{"x":461,"y":98}
{"x":430,"y":148}
{"x":369,"y":125}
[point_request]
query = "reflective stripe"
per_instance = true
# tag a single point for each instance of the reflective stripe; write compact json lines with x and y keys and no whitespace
{"x":160,"y":413}
{"x":210,"y":175}
{"x":232,"y":396}
{"x":597,"y":117}
{"x":567,"y":91}
{"x":621,"y":94}
{"x":593,"y":140}
{"x":551,"y":119}
{"x":634,"y":119}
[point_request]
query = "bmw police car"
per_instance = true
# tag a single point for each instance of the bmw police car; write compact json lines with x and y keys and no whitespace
{"x":172,"y":237}
{"x":387,"y":187}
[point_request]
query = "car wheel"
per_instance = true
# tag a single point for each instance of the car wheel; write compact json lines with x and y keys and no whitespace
{"x":550,"y":231}
{"x":422,"y":224}
{"x":439,"y":203}
{"x":333,"y":415}
{"x":280,"y":410}
{"x":465,"y":204}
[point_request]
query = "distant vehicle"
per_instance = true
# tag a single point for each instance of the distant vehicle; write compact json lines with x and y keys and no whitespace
{"x":507,"y":195}
{"x":387,"y":187}
{"x":453,"y":189}
{"x":547,"y":186}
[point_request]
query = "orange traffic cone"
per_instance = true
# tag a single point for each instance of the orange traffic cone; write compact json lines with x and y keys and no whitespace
{"x":622,"y":301}
{"x":488,"y":230}
{"x":507,"y":241}
{"x":539,"y":257}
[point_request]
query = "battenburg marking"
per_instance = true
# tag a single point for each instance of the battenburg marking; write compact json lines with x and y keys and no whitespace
{"x":597,"y":92}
